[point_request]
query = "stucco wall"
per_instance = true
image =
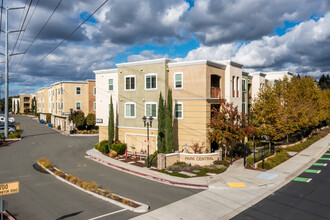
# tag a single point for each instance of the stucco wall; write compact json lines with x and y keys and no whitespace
{"x":138,"y":139}
{"x":140,"y":96}
{"x":193,"y":159}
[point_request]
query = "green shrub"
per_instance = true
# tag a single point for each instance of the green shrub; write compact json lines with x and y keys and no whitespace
{"x":15,"y":135}
{"x":59,"y":127}
{"x":46,"y":163}
{"x":221,"y":162}
{"x":104,"y":147}
{"x":274,"y":161}
{"x":303,"y":145}
{"x":180,"y":164}
{"x":238,"y":150}
{"x":152,"y":159}
{"x":119,"y":148}
{"x":250,"y":158}
{"x":48,"y":117}
{"x":174,"y":174}
{"x":97,"y":146}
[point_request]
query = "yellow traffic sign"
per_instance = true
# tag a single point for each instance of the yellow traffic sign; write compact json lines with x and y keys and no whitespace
{"x":9,"y":188}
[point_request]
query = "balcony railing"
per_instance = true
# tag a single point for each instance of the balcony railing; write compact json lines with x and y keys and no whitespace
{"x":215,"y":92}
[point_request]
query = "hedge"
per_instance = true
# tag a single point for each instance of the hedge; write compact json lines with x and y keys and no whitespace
{"x":119,"y":148}
{"x":303,"y":145}
{"x":275,"y":160}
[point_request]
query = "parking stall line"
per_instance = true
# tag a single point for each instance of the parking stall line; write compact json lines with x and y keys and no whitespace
{"x":320,"y":164}
{"x":302,"y":179}
{"x":111,"y":213}
{"x":313,"y":171}
{"x":324,"y":158}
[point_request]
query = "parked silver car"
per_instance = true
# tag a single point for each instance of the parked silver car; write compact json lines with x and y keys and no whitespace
{"x":11,"y":129}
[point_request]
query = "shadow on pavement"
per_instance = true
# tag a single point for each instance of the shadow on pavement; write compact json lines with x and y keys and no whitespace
{"x":32,"y":135}
{"x":38,"y":168}
{"x":69,"y":215}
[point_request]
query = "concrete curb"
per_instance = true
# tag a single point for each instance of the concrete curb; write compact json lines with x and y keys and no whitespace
{"x":147,"y":176}
{"x":8,"y":215}
{"x":142,"y":209}
{"x":84,"y":135}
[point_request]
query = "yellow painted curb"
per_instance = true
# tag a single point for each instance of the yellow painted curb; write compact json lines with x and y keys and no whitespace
{"x":236,"y":185}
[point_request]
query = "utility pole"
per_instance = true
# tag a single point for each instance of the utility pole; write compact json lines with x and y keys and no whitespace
{"x":7,"y":66}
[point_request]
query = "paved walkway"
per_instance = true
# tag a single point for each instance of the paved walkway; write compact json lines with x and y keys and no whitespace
{"x":228,"y":193}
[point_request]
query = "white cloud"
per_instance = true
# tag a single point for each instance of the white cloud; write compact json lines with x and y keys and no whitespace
{"x":145,"y":55}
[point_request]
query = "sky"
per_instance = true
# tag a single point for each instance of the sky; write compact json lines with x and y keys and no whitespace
{"x":263,"y":35}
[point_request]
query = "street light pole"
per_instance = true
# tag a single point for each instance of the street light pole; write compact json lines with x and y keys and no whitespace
{"x":147,"y":124}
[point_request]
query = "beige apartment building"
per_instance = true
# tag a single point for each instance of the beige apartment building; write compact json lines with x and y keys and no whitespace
{"x":64,"y":97}
{"x":42,"y":96}
{"x":25,"y":103}
{"x":196,"y":88}
{"x":139,"y":86}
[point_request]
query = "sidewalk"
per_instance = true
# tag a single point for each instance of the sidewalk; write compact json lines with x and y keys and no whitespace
{"x":228,"y":193}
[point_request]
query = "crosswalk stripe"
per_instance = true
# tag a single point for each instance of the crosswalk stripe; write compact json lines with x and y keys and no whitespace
{"x":324,"y":158}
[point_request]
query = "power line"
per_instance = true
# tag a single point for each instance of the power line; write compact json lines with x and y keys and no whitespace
{"x":73,"y":31}
{"x":1,"y":17}
{"x":27,"y":24}
{"x":19,"y":33}
{"x":43,"y":27}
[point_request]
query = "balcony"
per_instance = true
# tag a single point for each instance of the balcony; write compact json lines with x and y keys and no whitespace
{"x":215,"y":92}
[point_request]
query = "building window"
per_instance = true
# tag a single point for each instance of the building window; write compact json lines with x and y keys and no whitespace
{"x":151,"y":109}
{"x":151,"y":81}
{"x":129,"y":82}
{"x":130,"y":110}
{"x":94,"y":90}
{"x":62,"y":105}
{"x":26,"y":99}
{"x":110,"y":82}
{"x":243,"y":108}
{"x":94,"y":106}
{"x":243,"y":85}
{"x":237,"y":86}
{"x":78,"y":90}
{"x":178,"y":111}
{"x":62,"y":90}
{"x":26,"y":105}
{"x":233,"y":85}
{"x":59,"y":106}
{"x":58,"y":91}
{"x":78,"y":106}
{"x":178,"y":80}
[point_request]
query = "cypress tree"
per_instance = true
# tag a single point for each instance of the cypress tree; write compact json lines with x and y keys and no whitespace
{"x":168,"y":123}
{"x":111,"y":125}
{"x":161,"y":125}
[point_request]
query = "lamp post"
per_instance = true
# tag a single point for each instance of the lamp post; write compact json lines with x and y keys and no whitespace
{"x":147,"y":124}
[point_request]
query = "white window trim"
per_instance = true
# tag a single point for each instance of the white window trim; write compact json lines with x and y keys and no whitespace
{"x":145,"y":108}
{"x":145,"y":81}
{"x":80,"y":90}
{"x":174,"y":86}
{"x":113,"y":86}
{"x":130,"y":103}
{"x":129,"y":76}
{"x":181,"y":110}
{"x":80,"y":106}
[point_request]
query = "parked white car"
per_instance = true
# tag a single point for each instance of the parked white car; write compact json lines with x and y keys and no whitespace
{"x":10,"y":119}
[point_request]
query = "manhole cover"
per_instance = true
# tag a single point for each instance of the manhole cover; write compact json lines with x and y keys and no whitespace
{"x":82,"y":165}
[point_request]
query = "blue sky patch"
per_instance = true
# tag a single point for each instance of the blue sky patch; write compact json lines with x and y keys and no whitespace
{"x":287,"y":25}
{"x":84,"y":15}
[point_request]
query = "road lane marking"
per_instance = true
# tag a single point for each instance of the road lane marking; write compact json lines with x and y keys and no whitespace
{"x":312,"y":171}
{"x":324,"y":158}
{"x":302,"y":179}
{"x":236,"y":185}
{"x":320,"y":164}
{"x":111,"y":213}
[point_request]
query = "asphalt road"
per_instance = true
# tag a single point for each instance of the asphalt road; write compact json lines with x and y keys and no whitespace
{"x":42,"y":196}
{"x":309,"y":199}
